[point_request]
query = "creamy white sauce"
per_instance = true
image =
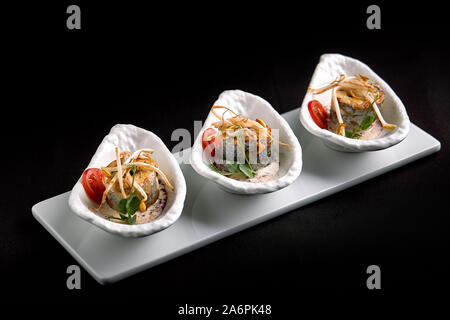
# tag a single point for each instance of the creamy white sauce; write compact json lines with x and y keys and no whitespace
{"x":266,"y":173}
{"x":373,"y":132}
{"x":352,"y":121}
{"x":150,"y":214}
{"x":263,"y":174}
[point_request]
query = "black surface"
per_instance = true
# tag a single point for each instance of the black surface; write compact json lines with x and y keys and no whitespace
{"x":160,"y":68}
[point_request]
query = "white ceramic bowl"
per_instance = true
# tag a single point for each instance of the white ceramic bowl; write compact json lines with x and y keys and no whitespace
{"x":252,"y":107}
{"x":131,"y":138}
{"x":329,"y":68}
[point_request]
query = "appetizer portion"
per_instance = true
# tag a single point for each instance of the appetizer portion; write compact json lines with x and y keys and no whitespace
{"x":354,"y":111}
{"x":131,"y":189}
{"x":240,"y":148}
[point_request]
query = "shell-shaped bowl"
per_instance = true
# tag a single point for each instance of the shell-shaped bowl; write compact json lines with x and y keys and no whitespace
{"x":131,"y":138}
{"x":329,"y":68}
{"x":252,"y":107}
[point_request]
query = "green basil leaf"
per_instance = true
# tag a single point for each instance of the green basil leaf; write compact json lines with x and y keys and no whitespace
{"x":132,"y":204}
{"x":123,"y":216}
{"x":123,"y":206}
{"x":132,"y":220}
{"x":246,"y":170}
{"x":213,"y":167}
{"x":349,"y":134}
{"x":367,"y":121}
{"x":233,"y":167}
{"x":352,"y":134}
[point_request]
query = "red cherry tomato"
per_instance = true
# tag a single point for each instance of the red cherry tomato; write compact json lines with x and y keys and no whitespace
{"x":92,"y":181}
{"x":318,"y":113}
{"x":210,"y":143}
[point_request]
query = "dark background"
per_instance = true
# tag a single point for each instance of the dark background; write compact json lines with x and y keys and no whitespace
{"x":160,"y":67}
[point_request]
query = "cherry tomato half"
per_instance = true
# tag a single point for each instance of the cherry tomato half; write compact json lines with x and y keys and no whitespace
{"x":92,"y":181}
{"x":318,"y":113}
{"x":210,"y":143}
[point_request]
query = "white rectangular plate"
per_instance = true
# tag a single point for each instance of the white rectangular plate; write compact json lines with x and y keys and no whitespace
{"x":210,"y":213}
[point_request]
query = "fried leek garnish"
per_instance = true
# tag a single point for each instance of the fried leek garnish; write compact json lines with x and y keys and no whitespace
{"x":356,"y":91}
{"x":256,"y":130}
{"x":120,"y":173}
